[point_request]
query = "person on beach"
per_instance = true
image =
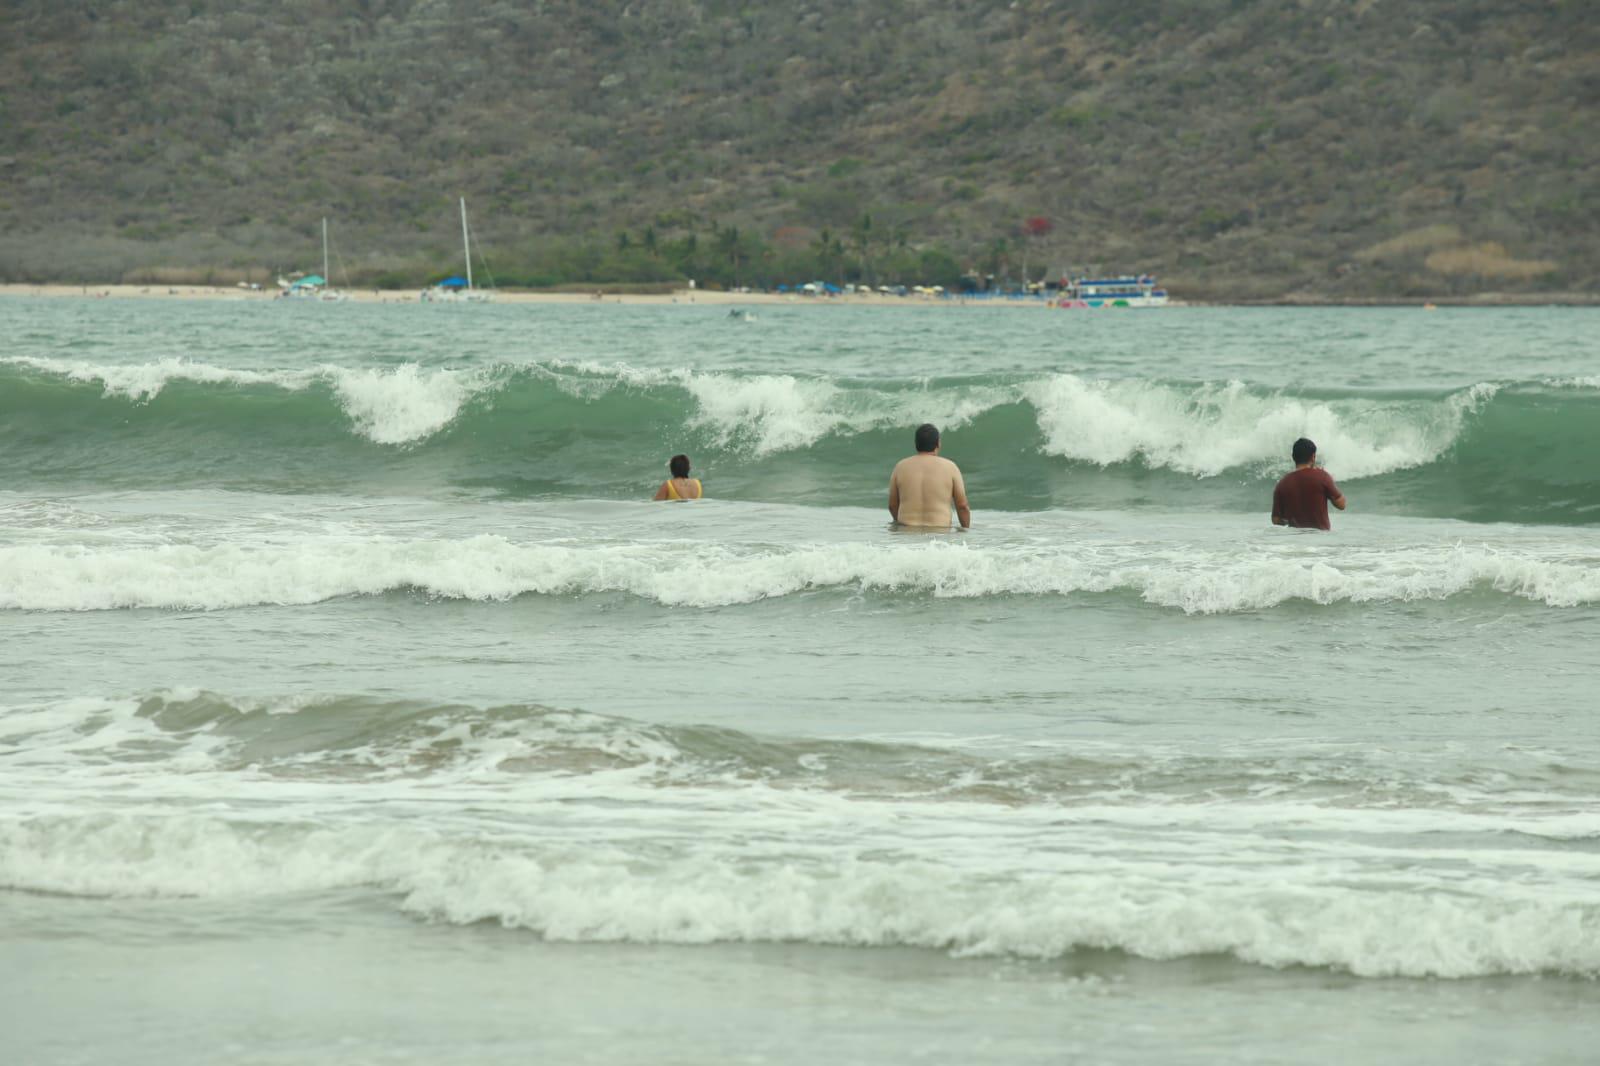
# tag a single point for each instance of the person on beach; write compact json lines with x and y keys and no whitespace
{"x":680,"y":486}
{"x":1302,"y":496}
{"x":925,"y":486}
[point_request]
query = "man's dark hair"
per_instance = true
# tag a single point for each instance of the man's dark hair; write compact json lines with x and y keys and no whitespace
{"x":679,"y":465}
{"x":927,"y":437}
{"x":1304,"y":451}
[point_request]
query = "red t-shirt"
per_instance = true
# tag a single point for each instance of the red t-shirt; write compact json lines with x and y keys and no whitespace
{"x":1301,"y":498}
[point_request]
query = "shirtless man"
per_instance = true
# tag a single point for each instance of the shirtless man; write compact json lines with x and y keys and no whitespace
{"x":924,"y":487}
{"x":1302,"y":496}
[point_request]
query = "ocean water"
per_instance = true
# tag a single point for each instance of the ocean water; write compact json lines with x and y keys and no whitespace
{"x":356,"y":707}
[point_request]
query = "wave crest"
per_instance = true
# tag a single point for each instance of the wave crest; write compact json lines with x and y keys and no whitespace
{"x":601,"y":890}
{"x":490,"y":567}
{"x":1202,"y":430}
{"x":1209,"y":429}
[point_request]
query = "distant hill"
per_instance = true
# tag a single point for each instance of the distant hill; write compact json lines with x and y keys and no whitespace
{"x":1237,"y":148}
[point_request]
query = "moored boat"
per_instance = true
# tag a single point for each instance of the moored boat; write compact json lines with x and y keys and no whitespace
{"x":313,"y":286}
{"x":1127,"y":291}
{"x":456,"y":289}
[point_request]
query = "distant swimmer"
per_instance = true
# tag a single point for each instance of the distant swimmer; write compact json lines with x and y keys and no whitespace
{"x":680,"y":486}
{"x":1302,"y":496}
{"x":925,"y":486}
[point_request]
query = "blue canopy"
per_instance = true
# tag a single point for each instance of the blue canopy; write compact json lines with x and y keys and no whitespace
{"x":453,"y":282}
{"x":309,"y":279}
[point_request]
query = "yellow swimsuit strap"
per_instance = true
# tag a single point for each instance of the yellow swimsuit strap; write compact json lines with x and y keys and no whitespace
{"x":672,"y":490}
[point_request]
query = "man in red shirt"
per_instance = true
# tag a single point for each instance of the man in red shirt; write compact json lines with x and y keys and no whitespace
{"x":1302,"y":496}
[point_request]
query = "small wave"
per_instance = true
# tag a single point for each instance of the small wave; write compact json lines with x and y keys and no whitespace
{"x":1330,"y":787}
{"x":1058,"y":902}
{"x":142,"y":382}
{"x":492,"y":568}
{"x":1590,"y":382}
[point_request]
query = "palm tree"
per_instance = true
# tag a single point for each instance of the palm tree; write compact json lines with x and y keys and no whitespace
{"x":861,"y":238}
{"x":829,"y":250}
{"x":726,"y":244}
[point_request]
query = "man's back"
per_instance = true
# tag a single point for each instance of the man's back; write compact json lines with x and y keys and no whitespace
{"x":926,"y":486}
{"x":1301,"y":498}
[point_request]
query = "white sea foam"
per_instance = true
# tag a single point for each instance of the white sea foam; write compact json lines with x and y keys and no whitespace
{"x":777,"y":413}
{"x":142,"y":382}
{"x":1208,"y":429}
{"x":405,"y":404}
{"x":491,"y":567}
{"x":1156,"y":914}
{"x":996,"y":898}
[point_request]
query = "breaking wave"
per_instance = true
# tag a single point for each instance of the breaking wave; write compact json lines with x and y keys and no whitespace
{"x":491,"y":568}
{"x":1488,"y":452}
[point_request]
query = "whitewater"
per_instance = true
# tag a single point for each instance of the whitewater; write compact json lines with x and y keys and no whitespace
{"x":358,"y":706}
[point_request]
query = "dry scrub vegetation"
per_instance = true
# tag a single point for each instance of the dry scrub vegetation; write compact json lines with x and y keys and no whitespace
{"x":1239,"y":148}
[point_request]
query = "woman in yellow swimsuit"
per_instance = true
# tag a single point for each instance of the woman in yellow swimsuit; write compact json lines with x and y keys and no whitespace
{"x":680,"y":486}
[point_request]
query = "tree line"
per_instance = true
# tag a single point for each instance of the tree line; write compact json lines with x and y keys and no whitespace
{"x":717,"y":255}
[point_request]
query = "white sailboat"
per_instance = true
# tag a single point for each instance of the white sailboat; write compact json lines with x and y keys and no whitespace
{"x":458,"y":289}
{"x":312,"y":286}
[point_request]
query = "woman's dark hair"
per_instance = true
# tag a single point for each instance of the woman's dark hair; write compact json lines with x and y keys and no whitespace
{"x":927,"y":437}
{"x":1303,"y":451}
{"x":679,"y":465}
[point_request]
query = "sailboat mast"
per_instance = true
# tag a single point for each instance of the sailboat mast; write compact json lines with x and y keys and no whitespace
{"x":325,"y":280}
{"x":466,"y":242}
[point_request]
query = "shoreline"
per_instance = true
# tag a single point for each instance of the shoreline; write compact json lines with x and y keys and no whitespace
{"x":715,"y":298}
{"x":501,"y":296}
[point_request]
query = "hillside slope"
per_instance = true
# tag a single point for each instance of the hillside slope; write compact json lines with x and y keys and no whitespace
{"x":1252,"y":148}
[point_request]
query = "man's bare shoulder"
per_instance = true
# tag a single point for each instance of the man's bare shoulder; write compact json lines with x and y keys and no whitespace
{"x":925,"y":465}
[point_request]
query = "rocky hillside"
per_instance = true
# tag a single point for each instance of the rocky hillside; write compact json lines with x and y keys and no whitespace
{"x":1246,"y":148}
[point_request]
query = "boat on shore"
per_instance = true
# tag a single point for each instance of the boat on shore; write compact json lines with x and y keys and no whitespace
{"x":313,"y":286}
{"x":456,"y":289}
{"x":1127,"y":291}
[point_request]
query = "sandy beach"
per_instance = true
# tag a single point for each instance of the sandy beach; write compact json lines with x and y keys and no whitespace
{"x":789,"y":299}
{"x":682,"y":296}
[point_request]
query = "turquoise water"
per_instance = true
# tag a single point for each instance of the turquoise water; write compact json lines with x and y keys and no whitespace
{"x":356,"y":707}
